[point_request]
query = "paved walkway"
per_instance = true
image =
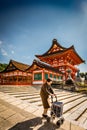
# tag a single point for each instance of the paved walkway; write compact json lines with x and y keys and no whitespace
{"x":18,"y":103}
{"x":15,"y":117}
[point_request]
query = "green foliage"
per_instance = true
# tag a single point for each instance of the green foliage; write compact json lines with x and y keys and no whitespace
{"x":84,"y":74}
{"x":3,"y":66}
{"x":82,"y":90}
{"x":81,"y":85}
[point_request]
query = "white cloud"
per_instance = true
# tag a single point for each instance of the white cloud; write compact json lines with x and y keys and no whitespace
{"x":12,"y":48}
{"x":4,"y":53}
{"x":12,"y":52}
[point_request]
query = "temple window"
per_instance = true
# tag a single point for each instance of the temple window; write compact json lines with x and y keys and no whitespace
{"x":38,"y":76}
{"x":54,"y":76}
{"x":51,"y":75}
{"x":59,"y":77}
{"x":46,"y":76}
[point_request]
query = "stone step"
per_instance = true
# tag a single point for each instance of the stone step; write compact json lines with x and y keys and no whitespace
{"x":77,"y":114}
{"x":38,"y":96}
{"x":68,"y":96}
{"x":21,"y":93}
{"x":26,"y":95}
{"x":73,"y":104}
{"x":71,"y":99}
{"x":74,"y":110}
{"x":64,"y":100}
{"x":59,"y":98}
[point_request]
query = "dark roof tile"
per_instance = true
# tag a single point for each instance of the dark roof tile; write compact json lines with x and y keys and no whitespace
{"x":44,"y":65}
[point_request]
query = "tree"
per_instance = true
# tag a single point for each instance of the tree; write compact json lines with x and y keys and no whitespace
{"x":2,"y":66}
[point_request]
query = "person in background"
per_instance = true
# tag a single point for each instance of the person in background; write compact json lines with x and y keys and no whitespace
{"x":71,"y":82}
{"x":45,"y":92}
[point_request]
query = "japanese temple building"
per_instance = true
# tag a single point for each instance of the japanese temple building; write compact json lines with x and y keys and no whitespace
{"x":56,"y":63}
{"x":15,"y":74}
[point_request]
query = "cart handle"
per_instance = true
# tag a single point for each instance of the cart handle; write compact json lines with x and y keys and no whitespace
{"x":52,"y":98}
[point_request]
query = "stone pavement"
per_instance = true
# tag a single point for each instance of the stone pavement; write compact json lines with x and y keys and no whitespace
{"x":18,"y":103}
{"x":14,"y":118}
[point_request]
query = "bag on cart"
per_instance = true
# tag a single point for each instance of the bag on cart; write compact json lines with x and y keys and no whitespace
{"x":57,"y":111}
{"x":57,"y":108}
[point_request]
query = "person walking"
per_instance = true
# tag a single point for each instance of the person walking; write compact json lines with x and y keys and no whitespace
{"x":45,"y":92}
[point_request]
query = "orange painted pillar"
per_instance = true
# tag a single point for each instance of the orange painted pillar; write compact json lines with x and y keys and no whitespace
{"x":43,"y":76}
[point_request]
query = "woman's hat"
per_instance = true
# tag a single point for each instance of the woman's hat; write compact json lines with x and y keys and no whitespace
{"x":49,"y":80}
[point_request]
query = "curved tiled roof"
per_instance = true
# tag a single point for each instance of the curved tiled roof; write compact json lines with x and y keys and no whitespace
{"x":19,"y":65}
{"x":16,"y":65}
{"x":44,"y":65}
{"x":58,"y":52}
{"x":54,"y":43}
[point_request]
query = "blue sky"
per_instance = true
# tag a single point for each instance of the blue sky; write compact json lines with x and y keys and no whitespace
{"x":27,"y":28}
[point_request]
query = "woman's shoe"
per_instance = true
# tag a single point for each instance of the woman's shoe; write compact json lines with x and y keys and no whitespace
{"x":45,"y":116}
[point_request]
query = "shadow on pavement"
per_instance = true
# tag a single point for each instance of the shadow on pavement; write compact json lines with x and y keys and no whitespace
{"x":48,"y":126}
{"x":32,"y":123}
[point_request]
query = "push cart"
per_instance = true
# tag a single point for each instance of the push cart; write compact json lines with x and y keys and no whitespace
{"x":57,"y":111}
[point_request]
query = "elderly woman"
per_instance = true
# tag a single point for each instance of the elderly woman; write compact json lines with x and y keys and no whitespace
{"x":45,"y":91}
